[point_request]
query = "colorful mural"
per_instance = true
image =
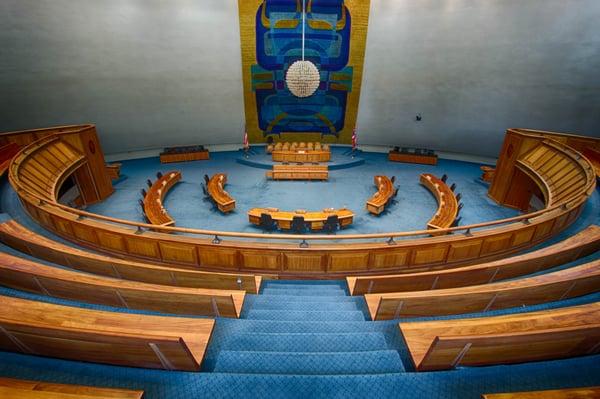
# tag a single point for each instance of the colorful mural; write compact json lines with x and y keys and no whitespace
{"x":271,"y":40}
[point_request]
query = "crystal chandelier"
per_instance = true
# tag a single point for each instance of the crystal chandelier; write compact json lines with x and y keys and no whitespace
{"x":302,"y":77}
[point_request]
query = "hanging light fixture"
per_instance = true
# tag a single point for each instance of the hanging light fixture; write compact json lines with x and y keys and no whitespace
{"x":302,"y":77}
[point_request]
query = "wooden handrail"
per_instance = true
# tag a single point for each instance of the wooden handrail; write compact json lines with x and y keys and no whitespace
{"x":467,"y":229}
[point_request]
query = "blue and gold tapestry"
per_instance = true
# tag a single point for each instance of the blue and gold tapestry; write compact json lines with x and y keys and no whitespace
{"x":271,"y":40}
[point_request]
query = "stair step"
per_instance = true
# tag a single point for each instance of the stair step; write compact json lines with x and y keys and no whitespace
{"x":299,"y":298}
{"x":300,"y":292}
{"x":241,"y":326}
{"x":305,"y":315}
{"x":312,"y":342}
{"x":374,"y":362}
{"x":292,"y":286}
{"x":322,"y":306}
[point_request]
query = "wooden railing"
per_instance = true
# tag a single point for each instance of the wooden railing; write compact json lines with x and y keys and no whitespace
{"x":412,"y":250}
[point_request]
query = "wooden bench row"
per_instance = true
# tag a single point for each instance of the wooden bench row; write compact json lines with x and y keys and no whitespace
{"x":153,"y":201}
{"x":385,"y":192}
{"x":11,"y":388}
{"x":222,"y":199}
{"x":299,"y":172}
{"x":567,"y":283}
{"x":18,"y":237}
{"x":447,"y":210}
{"x":27,"y":275}
{"x":522,"y":337}
{"x":568,"y":393}
{"x":43,"y":329}
{"x":7,"y":152}
{"x":579,"y":245}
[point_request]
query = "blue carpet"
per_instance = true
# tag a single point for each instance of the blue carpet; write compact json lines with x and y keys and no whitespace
{"x":307,"y":327}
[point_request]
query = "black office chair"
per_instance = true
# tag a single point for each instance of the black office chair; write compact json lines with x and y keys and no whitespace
{"x":331,"y":224}
{"x":143,"y":193}
{"x":444,"y":178}
{"x":206,"y":179}
{"x":418,"y":151}
{"x":453,"y":186}
{"x":159,"y":175}
{"x":393,"y":179}
{"x":430,"y":153}
{"x":204,"y":190}
{"x":458,"y":197}
{"x":460,"y":206}
{"x":456,"y":222}
{"x":404,"y":149}
{"x":267,"y":222}
{"x":396,"y":149}
{"x":141,"y":202}
{"x":149,"y":183}
{"x":298,"y":225}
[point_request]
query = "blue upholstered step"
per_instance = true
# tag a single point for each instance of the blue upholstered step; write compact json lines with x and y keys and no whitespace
{"x":296,"y":326}
{"x":375,"y":362}
{"x":311,"y":315}
{"x":300,"y":298}
{"x":294,"y":342}
{"x":304,"y":292}
{"x":305,"y":305}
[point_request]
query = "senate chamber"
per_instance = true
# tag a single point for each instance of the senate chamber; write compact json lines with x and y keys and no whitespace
{"x":300,"y":199}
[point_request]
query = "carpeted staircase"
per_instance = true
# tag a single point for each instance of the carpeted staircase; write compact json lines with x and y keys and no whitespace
{"x":306,"y":328}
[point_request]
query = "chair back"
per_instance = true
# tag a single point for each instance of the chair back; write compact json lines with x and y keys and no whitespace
{"x":298,"y":224}
{"x":159,"y":175}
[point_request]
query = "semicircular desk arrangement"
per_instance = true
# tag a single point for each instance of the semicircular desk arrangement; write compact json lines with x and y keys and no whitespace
{"x":541,"y":163}
{"x":153,"y":200}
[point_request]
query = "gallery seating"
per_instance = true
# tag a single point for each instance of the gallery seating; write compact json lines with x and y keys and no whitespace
{"x":447,"y":209}
{"x":574,"y":247}
{"x":385,"y":191}
{"x":18,"y":237}
{"x":44,"y":329}
{"x":27,"y":275}
{"x":298,"y":172}
{"x":314,"y":220}
{"x":11,"y":388}
{"x":153,"y":201}
{"x":215,"y":189}
{"x":515,"y":338}
{"x":593,"y":155}
{"x":567,"y":283}
{"x":567,"y":393}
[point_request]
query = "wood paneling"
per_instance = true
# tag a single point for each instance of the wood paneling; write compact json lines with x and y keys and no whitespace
{"x":27,"y":389}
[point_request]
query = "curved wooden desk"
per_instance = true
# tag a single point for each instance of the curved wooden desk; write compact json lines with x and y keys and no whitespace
{"x":447,"y":204}
{"x":122,"y":339}
{"x":577,"y":246}
{"x":385,"y":191}
{"x":27,"y":389}
{"x":153,"y":202}
{"x":23,"y":274}
{"x":221,"y":197}
{"x":563,"y":284}
{"x":18,"y":237}
{"x":515,"y":338}
{"x":316,"y":220}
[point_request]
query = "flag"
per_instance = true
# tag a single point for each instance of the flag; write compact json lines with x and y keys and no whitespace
{"x":354,"y":138}
{"x":246,"y":142}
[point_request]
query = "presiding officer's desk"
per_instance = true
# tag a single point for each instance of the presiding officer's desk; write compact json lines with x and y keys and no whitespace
{"x":315,"y":220}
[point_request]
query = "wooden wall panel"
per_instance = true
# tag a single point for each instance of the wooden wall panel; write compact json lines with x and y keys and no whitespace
{"x":389,"y":259}
{"x":84,"y":233}
{"x":111,"y":241}
{"x":461,"y":251}
{"x":341,"y":262}
{"x":496,"y":244}
{"x":178,"y":253}
{"x":143,"y":247}
{"x":63,"y":226}
{"x":261,"y":260}
{"x":295,"y":262}
{"x":523,"y":236}
{"x":219,"y":257}
{"x":430,"y":255}
{"x":543,"y":230}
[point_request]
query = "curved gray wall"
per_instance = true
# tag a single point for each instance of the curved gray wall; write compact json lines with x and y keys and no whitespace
{"x":152,"y":73}
{"x":149,"y":73}
{"x":473,"y":68}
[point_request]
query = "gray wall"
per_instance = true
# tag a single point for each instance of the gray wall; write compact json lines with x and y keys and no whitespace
{"x":472,"y":68}
{"x":151,"y":73}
